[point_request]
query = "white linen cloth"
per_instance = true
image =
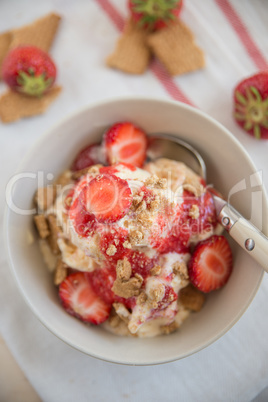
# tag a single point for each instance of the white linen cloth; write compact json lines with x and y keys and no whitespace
{"x":235,"y":368}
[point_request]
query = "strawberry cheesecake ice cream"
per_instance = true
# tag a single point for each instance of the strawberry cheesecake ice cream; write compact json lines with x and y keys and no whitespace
{"x":133,"y":246}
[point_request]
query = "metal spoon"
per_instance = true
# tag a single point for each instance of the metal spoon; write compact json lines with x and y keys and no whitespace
{"x":241,"y":230}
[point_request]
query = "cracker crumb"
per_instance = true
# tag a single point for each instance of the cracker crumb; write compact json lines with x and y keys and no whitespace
{"x":180,"y":268}
{"x":141,"y":207}
{"x":156,"y":270}
{"x":197,"y":189}
{"x":137,"y":199}
{"x":135,"y":237}
{"x":194,"y":212}
{"x":144,"y":219}
{"x":191,"y":298}
{"x":111,"y":250}
{"x":42,"y":226}
{"x":127,"y":289}
{"x":123,"y":270}
{"x":141,"y":299}
{"x":168,"y":329}
{"x":151,"y":181}
{"x":154,"y":205}
{"x":157,"y":293}
{"x":122,"y":311}
{"x":127,"y":244}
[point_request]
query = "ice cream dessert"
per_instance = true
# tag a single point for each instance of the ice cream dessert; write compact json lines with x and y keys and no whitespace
{"x":133,"y":245}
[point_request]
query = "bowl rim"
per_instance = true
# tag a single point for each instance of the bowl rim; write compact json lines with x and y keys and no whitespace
{"x":28,"y":156}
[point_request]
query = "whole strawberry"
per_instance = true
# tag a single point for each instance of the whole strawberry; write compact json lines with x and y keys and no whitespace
{"x":29,"y":70}
{"x":154,"y":14}
{"x":251,"y":105}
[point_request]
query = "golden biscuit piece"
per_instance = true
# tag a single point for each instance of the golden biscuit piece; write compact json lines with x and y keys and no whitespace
{"x":14,"y":106}
{"x":5,"y":40}
{"x":55,"y":231}
{"x":40,"y":33}
{"x":61,"y":272}
{"x":42,"y":226}
{"x":175,"y":48}
{"x":191,"y":298}
{"x":131,"y":54}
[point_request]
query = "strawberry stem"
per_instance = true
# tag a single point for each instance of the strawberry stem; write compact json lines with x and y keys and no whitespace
{"x":155,"y":10}
{"x":32,"y":85}
{"x":251,"y":109}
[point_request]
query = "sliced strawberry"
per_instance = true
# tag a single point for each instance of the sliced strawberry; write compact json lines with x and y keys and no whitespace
{"x":88,"y":156}
{"x":84,"y":222}
{"x":79,"y":299}
{"x":102,"y":281}
{"x":107,"y":197}
{"x":126,"y":143}
{"x":211,"y":264}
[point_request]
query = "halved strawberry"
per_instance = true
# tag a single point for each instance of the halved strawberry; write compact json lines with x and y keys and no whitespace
{"x":211,"y":264}
{"x":107,"y":197}
{"x":88,"y":156}
{"x":126,"y":143}
{"x":80,"y":300}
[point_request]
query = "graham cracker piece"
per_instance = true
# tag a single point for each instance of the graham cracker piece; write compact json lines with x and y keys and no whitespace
{"x":44,"y":197}
{"x":64,"y":179}
{"x":14,"y":106}
{"x":191,"y":298}
{"x":60,"y":272}
{"x":40,"y":33}
{"x":175,"y":47}
{"x":42,"y":226}
{"x":131,"y":53}
{"x":54,"y":234}
{"x":122,"y":311}
{"x":128,"y":288}
{"x":155,"y":271}
{"x":5,"y":40}
{"x":168,"y":329}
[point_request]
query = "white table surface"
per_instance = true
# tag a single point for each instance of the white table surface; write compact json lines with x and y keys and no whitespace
{"x":235,"y":368}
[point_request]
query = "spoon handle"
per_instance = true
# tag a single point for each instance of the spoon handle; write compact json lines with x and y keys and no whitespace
{"x":254,"y":242}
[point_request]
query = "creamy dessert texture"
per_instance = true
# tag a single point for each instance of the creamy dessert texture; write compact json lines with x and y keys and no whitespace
{"x":126,"y":240}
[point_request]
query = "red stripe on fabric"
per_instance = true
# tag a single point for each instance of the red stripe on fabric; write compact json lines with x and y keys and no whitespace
{"x":243,"y":34}
{"x":117,"y":19}
{"x":158,"y":70}
{"x":174,"y":91}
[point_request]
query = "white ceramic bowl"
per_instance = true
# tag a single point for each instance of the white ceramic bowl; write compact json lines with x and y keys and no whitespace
{"x":227,"y":164}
